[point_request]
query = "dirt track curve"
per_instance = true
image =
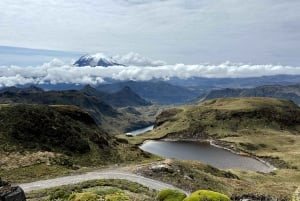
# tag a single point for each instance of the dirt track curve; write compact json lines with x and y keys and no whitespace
{"x":100,"y":174}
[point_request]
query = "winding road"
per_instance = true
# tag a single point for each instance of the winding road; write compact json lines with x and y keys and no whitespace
{"x":100,"y":174}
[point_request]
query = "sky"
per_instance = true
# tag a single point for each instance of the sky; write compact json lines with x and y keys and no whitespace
{"x":175,"y":31}
{"x":154,"y":39}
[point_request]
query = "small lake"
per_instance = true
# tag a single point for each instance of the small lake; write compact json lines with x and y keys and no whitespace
{"x":140,"y":131}
{"x":204,"y":152}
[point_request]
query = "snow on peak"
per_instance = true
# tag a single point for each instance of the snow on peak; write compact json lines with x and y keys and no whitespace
{"x":98,"y":59}
{"x":130,"y":59}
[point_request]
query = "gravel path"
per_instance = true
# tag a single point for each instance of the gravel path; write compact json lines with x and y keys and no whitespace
{"x":101,"y":174}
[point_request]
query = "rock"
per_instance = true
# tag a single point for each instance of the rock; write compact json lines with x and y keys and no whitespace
{"x":162,"y":168}
{"x":256,"y":197}
{"x":186,"y":177}
{"x":8,"y":193}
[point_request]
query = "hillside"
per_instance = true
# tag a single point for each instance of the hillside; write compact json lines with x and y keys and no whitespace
{"x":291,"y":92}
{"x":108,"y":117}
{"x":62,"y":137}
{"x":123,"y":98}
{"x":155,"y":91}
{"x":260,"y":126}
{"x":266,"y":128}
{"x":225,"y":117}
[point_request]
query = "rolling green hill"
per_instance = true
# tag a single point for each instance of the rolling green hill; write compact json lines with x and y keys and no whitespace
{"x":39,"y":136}
{"x":220,"y":118}
{"x":230,"y":117}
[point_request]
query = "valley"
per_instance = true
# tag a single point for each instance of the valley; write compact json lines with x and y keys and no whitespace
{"x":49,"y":134}
{"x":150,"y":100}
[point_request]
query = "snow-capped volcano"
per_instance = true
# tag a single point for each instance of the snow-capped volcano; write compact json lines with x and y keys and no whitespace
{"x":98,"y":59}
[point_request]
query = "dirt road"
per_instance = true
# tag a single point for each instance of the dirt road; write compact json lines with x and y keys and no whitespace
{"x":101,"y":174}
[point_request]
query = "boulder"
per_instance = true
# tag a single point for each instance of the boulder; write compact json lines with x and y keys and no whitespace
{"x":162,"y":168}
{"x":9,"y":193}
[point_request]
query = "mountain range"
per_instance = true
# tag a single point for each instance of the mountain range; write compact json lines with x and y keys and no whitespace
{"x":100,"y":105}
{"x":121,"y":98}
{"x":290,"y":92}
{"x":155,"y":91}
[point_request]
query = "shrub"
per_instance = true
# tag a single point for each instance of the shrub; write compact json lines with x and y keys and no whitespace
{"x":117,"y":197}
{"x":205,"y":195}
{"x":59,"y":194}
{"x":170,"y":195}
{"x":87,"y":196}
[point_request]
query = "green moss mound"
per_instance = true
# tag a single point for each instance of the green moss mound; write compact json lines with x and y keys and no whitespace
{"x":205,"y":195}
{"x":87,"y":196}
{"x":120,"y":196}
{"x":170,"y":195}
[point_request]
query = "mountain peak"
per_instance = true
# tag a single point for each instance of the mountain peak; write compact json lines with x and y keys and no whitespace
{"x":88,"y":87}
{"x":98,"y":59}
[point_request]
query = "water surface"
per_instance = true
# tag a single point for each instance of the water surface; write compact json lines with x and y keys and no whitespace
{"x":140,"y":131}
{"x":206,"y":153}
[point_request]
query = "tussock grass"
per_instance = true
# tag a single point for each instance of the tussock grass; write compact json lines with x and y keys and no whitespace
{"x":113,"y":189}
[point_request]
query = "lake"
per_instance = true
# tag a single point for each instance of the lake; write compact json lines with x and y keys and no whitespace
{"x":204,"y":152}
{"x":140,"y":131}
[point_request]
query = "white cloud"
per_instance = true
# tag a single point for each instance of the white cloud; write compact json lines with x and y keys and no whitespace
{"x":129,"y":59}
{"x":57,"y":72}
{"x":136,"y":59}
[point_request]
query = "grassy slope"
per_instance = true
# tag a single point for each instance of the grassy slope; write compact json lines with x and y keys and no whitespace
{"x":103,"y":188}
{"x":266,"y":127}
{"x":222,"y":118}
{"x":39,"y":141}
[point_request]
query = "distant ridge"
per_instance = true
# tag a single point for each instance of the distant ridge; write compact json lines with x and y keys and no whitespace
{"x":155,"y":91}
{"x":122,"y":98}
{"x":290,"y":92}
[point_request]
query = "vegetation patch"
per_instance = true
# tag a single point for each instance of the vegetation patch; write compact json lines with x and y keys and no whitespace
{"x":192,"y":175}
{"x":86,"y":196}
{"x":204,"y":195}
{"x":170,"y":195}
{"x":36,"y":137}
{"x":109,"y":190}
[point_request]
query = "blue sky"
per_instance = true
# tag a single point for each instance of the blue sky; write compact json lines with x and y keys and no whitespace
{"x":176,"y":31}
{"x":33,"y":57}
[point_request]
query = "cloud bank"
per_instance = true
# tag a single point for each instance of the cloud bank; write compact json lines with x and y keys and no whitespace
{"x":56,"y":72}
{"x":136,"y":59}
{"x":129,"y":59}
